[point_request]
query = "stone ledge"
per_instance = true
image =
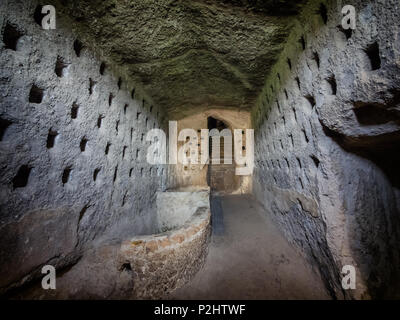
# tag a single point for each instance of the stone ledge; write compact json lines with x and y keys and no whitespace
{"x":161,"y":263}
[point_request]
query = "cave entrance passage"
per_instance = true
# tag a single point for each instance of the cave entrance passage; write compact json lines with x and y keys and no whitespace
{"x":221,"y":170}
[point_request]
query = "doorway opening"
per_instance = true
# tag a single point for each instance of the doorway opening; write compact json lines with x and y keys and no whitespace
{"x":221,"y":170}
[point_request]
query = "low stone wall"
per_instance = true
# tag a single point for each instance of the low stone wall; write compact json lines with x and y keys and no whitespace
{"x":176,"y":206}
{"x":143,"y":267}
{"x":164,"y":262}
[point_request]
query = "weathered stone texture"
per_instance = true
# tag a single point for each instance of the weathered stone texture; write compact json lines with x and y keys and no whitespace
{"x":143,"y":267}
{"x":198,"y":175}
{"x":166,"y":261}
{"x":74,"y":181}
{"x":190,"y":55}
{"x":327,"y":136}
{"x":176,"y":207}
{"x":72,"y":149}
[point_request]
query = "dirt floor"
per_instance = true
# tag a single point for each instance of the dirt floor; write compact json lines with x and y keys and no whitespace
{"x":249,"y":258}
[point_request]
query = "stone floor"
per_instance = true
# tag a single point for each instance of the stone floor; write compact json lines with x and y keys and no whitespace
{"x":250,"y":259}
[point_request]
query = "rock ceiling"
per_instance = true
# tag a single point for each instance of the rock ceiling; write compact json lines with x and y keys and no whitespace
{"x":191,"y":55}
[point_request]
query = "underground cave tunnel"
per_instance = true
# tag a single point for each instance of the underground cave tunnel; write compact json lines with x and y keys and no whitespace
{"x":314,"y":100}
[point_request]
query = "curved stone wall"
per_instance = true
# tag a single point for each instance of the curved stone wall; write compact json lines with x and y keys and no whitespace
{"x":72,"y":146}
{"x":327,"y":135}
{"x":163,"y":262}
{"x":143,"y":267}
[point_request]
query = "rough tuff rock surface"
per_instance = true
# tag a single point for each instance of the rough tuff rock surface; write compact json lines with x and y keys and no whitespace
{"x":190,"y":55}
{"x":327,"y":144}
{"x":200,"y":174}
{"x":162,"y":263}
{"x":75,"y":106}
{"x":72,"y":149}
{"x":176,"y":207}
{"x":143,"y":267}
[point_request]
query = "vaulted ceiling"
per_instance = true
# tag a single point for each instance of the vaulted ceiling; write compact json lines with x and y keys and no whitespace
{"x":190,"y":55}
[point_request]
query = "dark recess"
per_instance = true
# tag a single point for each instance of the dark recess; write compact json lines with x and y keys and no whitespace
{"x":332,"y":82}
{"x":78,"y":46}
{"x":95,"y":173}
{"x":51,"y":138}
{"x":4,"y":124}
{"x":110,"y":99}
{"x":298,"y":82}
{"x":126,"y":267}
{"x":38,"y":15}
{"x":347,"y":32}
{"x":123,"y":152}
{"x":119,"y":83}
{"x":102,"y":68}
{"x":115,"y":173}
{"x":289,"y":62}
{"x":383,"y":151}
{"x":311,"y":100}
{"x":99,"y":121}
{"x":107,"y":148}
{"x":65,"y":175}
{"x":374,"y":57}
{"x":92,"y":83}
{"x":60,"y":67}
{"x":323,"y":11}
{"x":36,"y":94}
{"x":316,"y":59}
{"x":83,"y":144}
{"x":372,"y":114}
{"x":74,"y":111}
{"x":22,"y":177}
{"x":303,"y":43}
{"x":11,"y":36}
{"x":316,"y":160}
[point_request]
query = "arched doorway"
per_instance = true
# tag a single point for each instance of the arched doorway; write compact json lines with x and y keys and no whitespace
{"x":221,"y":169}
